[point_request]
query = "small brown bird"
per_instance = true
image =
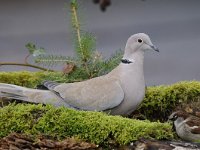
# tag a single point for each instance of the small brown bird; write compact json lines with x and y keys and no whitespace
{"x":187,"y":126}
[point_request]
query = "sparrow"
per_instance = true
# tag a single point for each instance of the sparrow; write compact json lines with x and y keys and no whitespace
{"x":187,"y":126}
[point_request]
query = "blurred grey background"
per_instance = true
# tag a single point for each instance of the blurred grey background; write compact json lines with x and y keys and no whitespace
{"x":173,"y":25}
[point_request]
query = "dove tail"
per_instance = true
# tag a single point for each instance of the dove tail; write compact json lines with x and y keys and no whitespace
{"x":12,"y":92}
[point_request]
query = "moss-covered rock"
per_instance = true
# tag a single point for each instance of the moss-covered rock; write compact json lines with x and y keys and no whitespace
{"x":95,"y":127}
{"x":31,"y":79}
{"x":62,"y":122}
{"x":159,"y":101}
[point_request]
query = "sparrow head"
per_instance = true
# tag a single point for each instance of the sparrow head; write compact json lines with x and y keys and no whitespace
{"x":173,"y":116}
{"x":178,"y":114}
{"x":139,"y":41}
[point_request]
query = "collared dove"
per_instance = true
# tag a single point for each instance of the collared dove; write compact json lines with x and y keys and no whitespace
{"x":118,"y":92}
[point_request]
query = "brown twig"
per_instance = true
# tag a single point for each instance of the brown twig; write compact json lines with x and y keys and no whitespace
{"x":26,"y":64}
{"x":26,"y":58}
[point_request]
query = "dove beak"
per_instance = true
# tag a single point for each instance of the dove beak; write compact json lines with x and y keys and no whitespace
{"x":154,"y":48}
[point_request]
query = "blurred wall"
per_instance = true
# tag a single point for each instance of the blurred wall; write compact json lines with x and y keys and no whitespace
{"x":173,"y":25}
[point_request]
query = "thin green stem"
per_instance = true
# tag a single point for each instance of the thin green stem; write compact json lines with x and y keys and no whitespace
{"x":76,"y":25}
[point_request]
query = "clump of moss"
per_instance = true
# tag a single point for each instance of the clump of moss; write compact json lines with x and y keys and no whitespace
{"x":160,"y":101}
{"x":62,"y":122}
{"x":30,"y":79}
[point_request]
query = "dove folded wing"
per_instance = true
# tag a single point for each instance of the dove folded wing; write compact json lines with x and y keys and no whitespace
{"x":101,"y":93}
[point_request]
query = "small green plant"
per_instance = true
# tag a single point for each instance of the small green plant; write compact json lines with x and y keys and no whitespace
{"x":87,"y":63}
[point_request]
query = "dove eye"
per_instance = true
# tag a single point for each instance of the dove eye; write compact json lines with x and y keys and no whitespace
{"x":139,"y":40}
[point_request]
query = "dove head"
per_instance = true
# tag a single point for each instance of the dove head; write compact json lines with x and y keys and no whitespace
{"x":139,"y":42}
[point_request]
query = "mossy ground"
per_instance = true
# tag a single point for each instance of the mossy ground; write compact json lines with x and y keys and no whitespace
{"x":31,"y":79}
{"x":62,"y":122}
{"x":160,"y":101}
{"x":95,"y":127}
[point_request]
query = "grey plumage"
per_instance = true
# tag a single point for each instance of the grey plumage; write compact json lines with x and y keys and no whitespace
{"x":50,"y":84}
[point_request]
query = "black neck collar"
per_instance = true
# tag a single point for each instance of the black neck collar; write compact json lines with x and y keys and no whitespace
{"x":126,"y":61}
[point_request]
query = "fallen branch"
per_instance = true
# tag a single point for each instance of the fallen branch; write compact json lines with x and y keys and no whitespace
{"x":25,"y":64}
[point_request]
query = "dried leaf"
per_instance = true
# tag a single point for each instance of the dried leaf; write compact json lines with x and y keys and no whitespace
{"x":68,"y":68}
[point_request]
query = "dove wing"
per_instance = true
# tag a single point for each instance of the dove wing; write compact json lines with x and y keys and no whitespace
{"x":98,"y":94}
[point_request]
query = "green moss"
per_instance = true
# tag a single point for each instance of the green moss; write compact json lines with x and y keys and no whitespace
{"x":62,"y":122}
{"x":30,"y":79}
{"x":160,"y":101}
{"x":96,"y":127}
